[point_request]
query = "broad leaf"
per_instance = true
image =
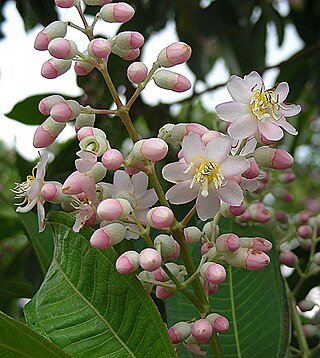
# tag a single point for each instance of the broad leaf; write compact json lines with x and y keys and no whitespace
{"x":87,"y":308}
{"x":18,"y":340}
{"x":255,"y":306}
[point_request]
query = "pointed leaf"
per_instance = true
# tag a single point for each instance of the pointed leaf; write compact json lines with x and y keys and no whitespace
{"x":87,"y":308}
{"x":18,"y":340}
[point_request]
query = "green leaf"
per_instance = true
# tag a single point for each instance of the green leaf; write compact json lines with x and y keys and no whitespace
{"x":18,"y":340}
{"x":255,"y":305}
{"x":87,"y":308}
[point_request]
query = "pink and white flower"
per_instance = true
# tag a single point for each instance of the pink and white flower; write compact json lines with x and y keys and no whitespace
{"x":255,"y":110}
{"x":30,"y":191}
{"x":207,"y":173}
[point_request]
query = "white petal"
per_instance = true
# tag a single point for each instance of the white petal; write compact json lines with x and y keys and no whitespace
{"x":287,"y":126}
{"x":254,"y":80}
{"x":239,"y":89}
{"x":41,"y":166}
{"x":270,"y":130}
{"x":41,"y":216}
{"x":122,"y":181}
{"x":288,"y":110}
{"x":282,"y":91}
{"x":140,"y":184}
{"x":218,"y":149}
{"x":192,"y":146}
{"x":208,"y":206}
{"x":231,"y":193}
{"x":228,"y":111}
{"x":148,"y":199}
{"x":243,"y":127}
{"x":174,"y":172}
{"x":234,"y":166}
{"x":249,"y":184}
{"x":181,"y":193}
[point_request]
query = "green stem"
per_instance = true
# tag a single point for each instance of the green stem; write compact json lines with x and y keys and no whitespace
{"x":105,"y":73}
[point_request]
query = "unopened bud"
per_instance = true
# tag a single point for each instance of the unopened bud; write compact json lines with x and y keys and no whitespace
{"x":52,"y":31}
{"x":55,"y":67}
{"x":98,"y":172}
{"x":65,"y":3}
{"x":82,"y":68}
{"x":163,"y":293}
{"x":228,"y":243}
{"x":283,"y":194}
{"x":84,"y":120}
{"x":259,"y":213}
{"x":256,"y":243}
{"x":273,"y":158}
{"x":202,"y":330}
{"x":137,"y":72}
{"x":171,"y":81}
{"x":119,"y":12}
{"x":108,"y":235}
{"x":304,"y":231}
{"x":96,"y":2}
{"x":150,"y":259}
{"x":65,"y":110}
{"x":302,"y":217}
{"x":174,"y":54}
{"x":306,"y":305}
{"x":52,"y":192}
{"x":47,"y":103}
{"x":281,"y":216}
{"x":128,"y":55}
{"x":128,"y":40}
{"x":47,"y":133}
{"x":62,"y":48}
{"x":114,"y":209}
{"x":310,"y":330}
{"x":192,"y":234}
{"x":160,"y":217}
{"x":128,"y":262}
{"x":253,"y":170}
{"x":89,"y":131}
{"x":99,"y":48}
{"x":288,"y":258}
{"x":168,"y":247}
{"x":248,"y":259}
{"x":214,"y":273}
{"x":179,"y":332}
{"x":153,"y":149}
{"x":112,"y":159}
{"x":287,"y":177}
{"x":219,"y":323}
{"x":316,"y":258}
{"x":229,"y":211}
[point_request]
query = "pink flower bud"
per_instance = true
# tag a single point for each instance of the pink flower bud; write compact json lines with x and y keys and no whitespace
{"x":99,"y":48}
{"x":192,"y":234}
{"x":128,"y":40}
{"x":287,"y":177}
{"x":248,"y":259}
{"x":256,"y":243}
{"x":202,"y":330}
{"x":306,"y":305}
{"x":84,"y":120}
{"x":283,"y":194}
{"x":273,"y":158}
{"x":171,"y":81}
{"x":62,"y":48}
{"x":108,"y":235}
{"x":160,"y":217}
{"x":263,"y":140}
{"x":310,"y":330}
{"x":72,"y":185}
{"x":316,"y":258}
{"x":260,"y":187}
{"x":259,"y":213}
{"x":145,"y":277}
{"x":219,"y":323}
{"x":174,"y":54}
{"x":65,"y":3}
{"x":253,"y":170}
{"x":228,"y":243}
{"x":96,"y":2}
{"x":153,"y":149}
{"x":304,"y":231}
{"x":128,"y":262}
{"x":82,"y":68}
{"x":167,"y":246}
{"x":305,"y":244}
{"x":179,"y":332}
{"x":47,"y":103}
{"x":114,"y":209}
{"x":137,"y":72}
{"x":52,"y":192}
{"x":150,"y":259}
{"x":245,"y":217}
{"x":112,"y":159}
{"x":47,"y":133}
{"x":302,"y":217}
{"x":53,"y":30}
{"x":65,"y":110}
{"x":98,"y":172}
{"x":281,"y":216}
{"x":214,"y":273}
{"x":163,"y":293}
{"x":55,"y":67}
{"x":119,"y":12}
{"x":213,"y":288}
{"x":90,"y":131}
{"x":206,"y":247}
{"x":128,"y":55}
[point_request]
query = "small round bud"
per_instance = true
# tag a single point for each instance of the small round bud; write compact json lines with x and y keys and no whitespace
{"x":47,"y":133}
{"x":283,"y":194}
{"x":273,"y":158}
{"x":302,"y":217}
{"x":229,"y":211}
{"x":150,"y":259}
{"x":167,"y":246}
{"x":52,"y":192}
{"x":256,"y":243}
{"x":228,"y":243}
{"x":62,"y":48}
{"x":248,"y":259}
{"x":107,"y":236}
{"x":119,"y":12}
{"x":96,"y":2}
{"x":179,"y":332}
{"x":192,"y":234}
{"x":219,"y":323}
{"x":137,"y":72}
{"x":90,"y":131}
{"x":202,"y":330}
{"x":64,"y":111}
{"x":112,"y":159}
{"x":310,"y":330}
{"x":316,"y":258}
{"x":128,"y":40}
{"x":160,"y":217}
{"x":82,"y":68}
{"x":281,"y":216}
{"x":65,"y":3}
{"x":253,"y":170}
{"x":153,"y":149}
{"x":114,"y":209}
{"x":214,"y":273}
{"x":99,"y":48}
{"x":55,"y":67}
{"x":287,"y":177}
{"x":53,"y":30}
{"x":306,"y":305}
{"x":171,"y":81}
{"x":128,"y":262}
{"x":47,"y":103}
{"x":174,"y":54}
{"x":259,"y":213}
{"x":304,"y":231}
{"x":128,"y":55}
{"x":163,"y":293}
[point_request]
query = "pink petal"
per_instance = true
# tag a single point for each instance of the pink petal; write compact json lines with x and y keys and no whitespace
{"x":122,"y":182}
{"x":192,"y":146}
{"x":243,"y":127}
{"x":282,"y":91}
{"x":140,"y":184}
{"x":218,"y":149}
{"x":239,"y":89}
{"x":84,"y":214}
{"x":207,"y":206}
{"x":181,"y":193}
{"x":234,"y":166}
{"x":249,"y":184}
{"x":173,"y":172}
{"x":88,"y":186}
{"x":254,"y":81}
{"x":41,"y":166}
{"x":148,"y":199}
{"x":229,"y":111}
{"x":287,"y":126}
{"x":270,"y":130}
{"x":34,"y":190}
{"x":231,"y":193}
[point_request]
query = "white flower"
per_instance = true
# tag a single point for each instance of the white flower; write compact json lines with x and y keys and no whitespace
{"x":255,"y":110}
{"x":206,"y":172}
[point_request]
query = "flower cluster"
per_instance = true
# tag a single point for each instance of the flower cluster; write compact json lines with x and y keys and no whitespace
{"x":222,"y":173}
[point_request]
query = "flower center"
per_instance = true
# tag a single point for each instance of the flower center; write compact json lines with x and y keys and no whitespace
{"x":207,"y":172}
{"x":21,"y":188}
{"x":262,"y":103}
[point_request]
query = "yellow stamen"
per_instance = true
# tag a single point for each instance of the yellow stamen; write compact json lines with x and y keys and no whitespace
{"x":264,"y":104}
